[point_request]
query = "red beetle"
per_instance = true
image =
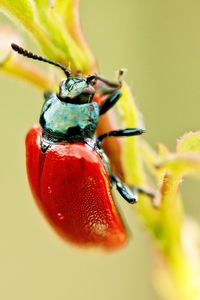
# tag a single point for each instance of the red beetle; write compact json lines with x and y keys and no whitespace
{"x":68,"y":171}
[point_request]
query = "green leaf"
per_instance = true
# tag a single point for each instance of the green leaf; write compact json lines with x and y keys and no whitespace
{"x":28,"y":72}
{"x":21,"y":9}
{"x":182,"y":164}
{"x":46,"y":26}
{"x":150,"y":156}
{"x":131,"y":149}
{"x":68,"y":11}
{"x":190,"y":142}
{"x":63,"y":7}
{"x":163,"y":151}
{"x":12,"y":64}
{"x":25,"y":13}
{"x":187,"y":158}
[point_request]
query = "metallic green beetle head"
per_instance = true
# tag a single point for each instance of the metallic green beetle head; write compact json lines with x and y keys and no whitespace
{"x":76,"y":90}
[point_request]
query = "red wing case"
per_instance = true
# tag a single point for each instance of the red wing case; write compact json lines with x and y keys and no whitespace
{"x":71,"y":186}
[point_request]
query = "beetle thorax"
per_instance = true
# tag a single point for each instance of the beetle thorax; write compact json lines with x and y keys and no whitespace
{"x":67,"y":121}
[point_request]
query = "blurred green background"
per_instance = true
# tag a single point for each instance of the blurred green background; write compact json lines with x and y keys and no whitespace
{"x":159,"y":43}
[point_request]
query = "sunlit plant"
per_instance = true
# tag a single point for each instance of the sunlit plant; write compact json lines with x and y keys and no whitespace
{"x":55,"y":28}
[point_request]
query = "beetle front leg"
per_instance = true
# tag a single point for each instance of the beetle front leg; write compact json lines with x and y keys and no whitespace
{"x":109,"y":102}
{"x":121,"y":133}
{"x":114,"y":94}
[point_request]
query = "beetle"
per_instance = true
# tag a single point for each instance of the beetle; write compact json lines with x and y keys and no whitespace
{"x":68,"y":171}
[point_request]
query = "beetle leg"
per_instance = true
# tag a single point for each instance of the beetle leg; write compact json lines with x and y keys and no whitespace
{"x":125,"y":192}
{"x":109,"y":102}
{"x":144,"y":192}
{"x":115,"y":85}
{"x":130,"y":194}
{"x":44,"y":145}
{"x":114,"y":95}
{"x":121,"y":132}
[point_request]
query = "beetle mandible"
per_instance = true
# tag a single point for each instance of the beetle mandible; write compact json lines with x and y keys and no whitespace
{"x":68,"y":171}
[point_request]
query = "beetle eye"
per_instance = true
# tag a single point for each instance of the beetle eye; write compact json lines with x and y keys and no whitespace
{"x":93,"y":82}
{"x":62,"y":90}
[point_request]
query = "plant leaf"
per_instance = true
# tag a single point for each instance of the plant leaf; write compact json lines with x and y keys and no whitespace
{"x":67,"y":12}
{"x":24,"y":12}
{"x":186,"y":160}
{"x":21,"y":9}
{"x":190,"y":142}
{"x":56,"y":42}
{"x":11,"y":63}
{"x":130,"y":118}
{"x":182,"y":164}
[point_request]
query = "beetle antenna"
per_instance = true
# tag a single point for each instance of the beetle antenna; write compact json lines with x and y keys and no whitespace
{"x":115,"y":85}
{"x":29,"y":54}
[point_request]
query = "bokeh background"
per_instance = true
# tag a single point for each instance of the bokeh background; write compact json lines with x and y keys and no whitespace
{"x":159,"y":43}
